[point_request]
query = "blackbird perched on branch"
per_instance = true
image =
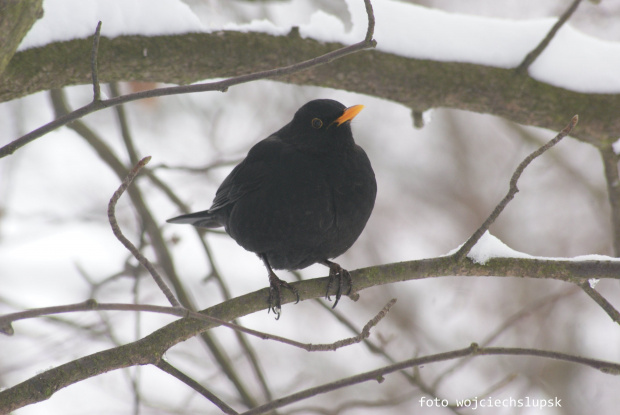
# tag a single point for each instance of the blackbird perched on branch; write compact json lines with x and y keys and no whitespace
{"x":302,"y":195}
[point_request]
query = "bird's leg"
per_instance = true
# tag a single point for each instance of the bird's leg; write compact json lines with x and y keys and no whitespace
{"x":336,"y":272}
{"x":275,"y":293}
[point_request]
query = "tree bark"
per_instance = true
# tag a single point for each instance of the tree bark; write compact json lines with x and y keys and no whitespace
{"x":16,"y":19}
{"x":418,"y":84}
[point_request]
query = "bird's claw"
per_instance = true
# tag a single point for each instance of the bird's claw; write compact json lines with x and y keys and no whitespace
{"x":344,"y":280}
{"x":275,"y":294}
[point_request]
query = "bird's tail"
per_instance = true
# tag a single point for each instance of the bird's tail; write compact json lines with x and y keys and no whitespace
{"x":204,"y":219}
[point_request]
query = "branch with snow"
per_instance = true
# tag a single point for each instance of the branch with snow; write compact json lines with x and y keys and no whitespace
{"x":420,"y":79}
{"x":486,"y":260}
{"x":222,"y":86}
{"x":513,"y":189}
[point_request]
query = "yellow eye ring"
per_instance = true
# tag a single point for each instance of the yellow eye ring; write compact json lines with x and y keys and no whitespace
{"x":317,"y":123}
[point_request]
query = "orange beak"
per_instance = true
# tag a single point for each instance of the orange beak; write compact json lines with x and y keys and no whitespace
{"x":349,"y":114}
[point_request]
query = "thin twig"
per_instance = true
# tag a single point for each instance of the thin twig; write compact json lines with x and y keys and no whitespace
{"x":612,"y":179}
{"x":148,"y":350}
{"x":601,"y":301}
{"x":510,"y":321}
{"x":171,"y":370}
{"x":371,"y":24}
{"x":330,"y":409}
{"x":6,"y":320}
{"x":364,"y":334}
{"x":124,"y":126}
{"x":199,"y":170}
{"x":94,"y":69}
{"x":491,"y":390}
{"x":473,"y":350}
{"x":156,"y":240}
{"x":119,"y":234}
{"x":203,"y":87}
{"x":412,"y":379}
{"x":535,"y":53}
{"x":513,"y":189}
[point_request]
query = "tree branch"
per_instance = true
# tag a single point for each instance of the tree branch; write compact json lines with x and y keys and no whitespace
{"x":127,"y":243}
{"x":16,"y":19}
{"x":513,"y":189}
{"x":149,"y":349}
{"x":223,"y":86}
{"x":527,"y":311}
{"x":173,"y":371}
{"x":611,"y":311}
{"x":473,"y":350}
{"x":612,"y":179}
{"x":415,"y":83}
{"x":93,"y":64}
{"x":158,"y":244}
{"x":89,"y":305}
{"x":535,"y":53}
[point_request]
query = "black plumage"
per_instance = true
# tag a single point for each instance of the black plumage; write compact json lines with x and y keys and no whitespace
{"x":301,"y":196}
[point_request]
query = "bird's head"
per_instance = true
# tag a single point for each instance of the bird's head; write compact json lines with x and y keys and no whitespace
{"x":324,"y":122}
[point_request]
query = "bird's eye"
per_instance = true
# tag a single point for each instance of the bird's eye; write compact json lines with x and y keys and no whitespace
{"x":316,"y":123}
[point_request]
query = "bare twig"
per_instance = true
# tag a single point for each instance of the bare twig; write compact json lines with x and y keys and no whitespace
{"x":364,"y":334}
{"x":6,"y":320}
{"x":94,"y":69}
{"x":546,"y":301}
{"x":124,"y":127}
{"x":535,"y":53}
{"x":512,"y":191}
{"x":371,"y":24}
{"x":210,"y":339}
{"x":171,"y":370}
{"x":203,"y":87}
{"x":90,"y":305}
{"x":199,"y":170}
{"x":610,"y":168}
{"x":601,"y":301}
{"x":156,"y":239}
{"x":119,"y":234}
{"x":491,"y":390}
{"x":330,"y":409}
{"x":412,"y":379}
{"x":473,"y":350}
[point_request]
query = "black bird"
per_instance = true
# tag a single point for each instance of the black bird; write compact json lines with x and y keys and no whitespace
{"x":302,"y":195}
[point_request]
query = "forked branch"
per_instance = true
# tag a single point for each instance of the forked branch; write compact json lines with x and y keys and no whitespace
{"x":513,"y":189}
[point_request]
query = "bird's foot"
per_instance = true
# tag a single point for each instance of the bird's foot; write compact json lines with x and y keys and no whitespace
{"x":275,"y":293}
{"x":275,"y":289}
{"x":342,"y":278}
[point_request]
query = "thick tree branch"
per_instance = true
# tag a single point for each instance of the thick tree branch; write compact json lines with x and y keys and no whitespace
{"x":150,"y":349}
{"x":418,"y":84}
{"x":16,"y":19}
{"x":98,"y":104}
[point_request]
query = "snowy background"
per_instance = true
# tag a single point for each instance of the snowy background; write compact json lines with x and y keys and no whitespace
{"x":436,"y":185}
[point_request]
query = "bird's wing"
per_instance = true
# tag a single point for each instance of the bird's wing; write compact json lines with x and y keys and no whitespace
{"x":250,"y":174}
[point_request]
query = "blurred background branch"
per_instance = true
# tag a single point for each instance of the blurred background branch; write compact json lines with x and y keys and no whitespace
{"x":437,"y":184}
